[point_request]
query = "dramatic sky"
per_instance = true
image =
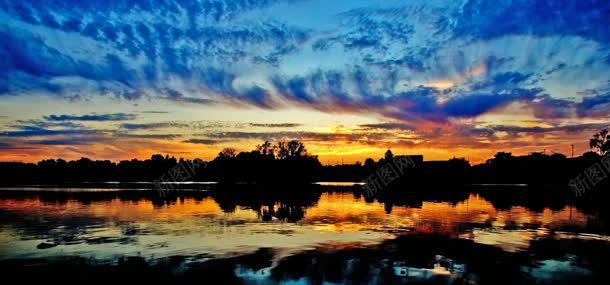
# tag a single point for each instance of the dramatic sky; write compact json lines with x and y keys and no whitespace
{"x":467,"y":78}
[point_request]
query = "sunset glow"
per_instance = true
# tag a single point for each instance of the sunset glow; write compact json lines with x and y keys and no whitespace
{"x":122,"y":80}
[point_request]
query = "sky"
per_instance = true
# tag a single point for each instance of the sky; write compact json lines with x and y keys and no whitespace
{"x":126,"y":79}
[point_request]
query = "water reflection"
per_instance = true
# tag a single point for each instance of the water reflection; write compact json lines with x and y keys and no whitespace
{"x":206,"y":226}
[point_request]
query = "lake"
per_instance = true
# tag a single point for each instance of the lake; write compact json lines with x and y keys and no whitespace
{"x":327,"y":236}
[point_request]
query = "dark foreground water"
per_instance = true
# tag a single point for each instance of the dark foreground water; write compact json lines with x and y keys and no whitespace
{"x":81,"y":235}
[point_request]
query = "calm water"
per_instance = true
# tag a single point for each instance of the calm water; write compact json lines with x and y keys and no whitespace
{"x":429,"y":241}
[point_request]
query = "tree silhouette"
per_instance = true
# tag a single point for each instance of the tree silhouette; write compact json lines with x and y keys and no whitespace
{"x":291,"y":149}
{"x":369,"y":163}
{"x":388,"y":155}
{"x":600,"y":142}
{"x":500,"y":157}
{"x":157,"y":157}
{"x":590,"y":155}
{"x":296,"y":148}
{"x":282,"y":150}
{"x":227,"y":153}
{"x":459,"y":163}
{"x":266,"y":149}
{"x":558,"y":156}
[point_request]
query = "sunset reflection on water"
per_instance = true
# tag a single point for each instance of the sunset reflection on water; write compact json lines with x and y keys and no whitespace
{"x":104,"y":228}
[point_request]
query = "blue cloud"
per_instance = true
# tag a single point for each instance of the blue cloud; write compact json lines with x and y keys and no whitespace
{"x":204,"y":38}
{"x":503,"y":80}
{"x":92,"y":117}
{"x":477,"y":104}
{"x":594,"y":106}
{"x":35,"y":12}
{"x":67,"y":141}
{"x":177,"y":96}
{"x":564,"y":128}
{"x":30,"y":132}
{"x":420,"y":103}
{"x":4,"y":145}
{"x":152,"y":126}
{"x":178,"y":124}
{"x":378,"y":29}
{"x":489,"y":19}
{"x":347,"y":57}
{"x":37,"y":124}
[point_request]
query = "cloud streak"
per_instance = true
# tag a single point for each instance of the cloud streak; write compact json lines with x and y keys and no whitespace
{"x":200,"y":52}
{"x":414,"y":72}
{"x":92,"y":117}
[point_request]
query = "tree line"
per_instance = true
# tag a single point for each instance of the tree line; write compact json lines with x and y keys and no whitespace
{"x":290,"y":161}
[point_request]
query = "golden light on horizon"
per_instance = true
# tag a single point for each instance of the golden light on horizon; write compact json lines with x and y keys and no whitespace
{"x":440,"y":84}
